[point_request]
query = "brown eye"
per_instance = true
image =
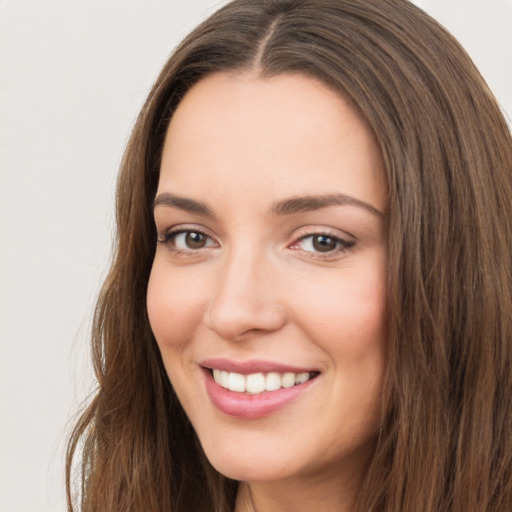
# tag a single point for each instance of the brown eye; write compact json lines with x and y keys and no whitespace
{"x":322,"y":243}
{"x":187,"y":240}
{"x":195,"y":240}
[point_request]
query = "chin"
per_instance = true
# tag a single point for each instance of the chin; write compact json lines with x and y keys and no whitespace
{"x":249,"y":464}
{"x":247,"y":471}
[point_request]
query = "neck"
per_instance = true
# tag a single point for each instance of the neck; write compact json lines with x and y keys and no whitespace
{"x":299,"y":495}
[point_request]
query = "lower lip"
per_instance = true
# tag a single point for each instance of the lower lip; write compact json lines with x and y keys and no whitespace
{"x":250,"y":407}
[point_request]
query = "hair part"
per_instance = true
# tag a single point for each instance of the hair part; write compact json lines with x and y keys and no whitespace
{"x":445,"y":439}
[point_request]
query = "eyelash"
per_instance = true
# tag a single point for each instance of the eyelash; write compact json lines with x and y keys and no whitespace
{"x":341,"y":245}
{"x":168,"y":239}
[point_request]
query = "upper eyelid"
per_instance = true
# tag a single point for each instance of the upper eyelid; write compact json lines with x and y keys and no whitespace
{"x":344,"y":242}
{"x":323,"y":233}
{"x":297,"y":235}
{"x":323,"y":230}
{"x":180,"y":228}
{"x":167,"y":239}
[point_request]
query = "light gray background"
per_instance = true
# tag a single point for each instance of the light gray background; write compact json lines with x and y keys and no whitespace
{"x":73,"y":74}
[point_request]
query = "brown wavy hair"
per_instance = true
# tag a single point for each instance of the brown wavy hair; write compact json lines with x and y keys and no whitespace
{"x":445,"y":440}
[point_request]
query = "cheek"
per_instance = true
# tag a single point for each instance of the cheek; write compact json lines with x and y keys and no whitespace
{"x":175,"y":308}
{"x":352,"y":332}
{"x":346,"y":315}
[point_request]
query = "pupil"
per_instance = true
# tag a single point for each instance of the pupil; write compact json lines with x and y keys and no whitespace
{"x":195,"y":240}
{"x":324,"y":243}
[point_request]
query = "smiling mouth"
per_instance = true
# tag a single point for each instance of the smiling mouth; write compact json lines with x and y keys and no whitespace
{"x":257,"y":383}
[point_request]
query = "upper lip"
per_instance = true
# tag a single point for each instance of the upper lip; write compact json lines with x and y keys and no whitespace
{"x":252,"y":366}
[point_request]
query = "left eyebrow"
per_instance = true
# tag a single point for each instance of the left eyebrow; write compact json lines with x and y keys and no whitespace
{"x":301,"y":204}
{"x":183,"y":203}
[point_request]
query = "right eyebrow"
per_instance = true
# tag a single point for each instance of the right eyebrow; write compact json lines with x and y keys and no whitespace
{"x":299,"y":204}
{"x":183,"y":203}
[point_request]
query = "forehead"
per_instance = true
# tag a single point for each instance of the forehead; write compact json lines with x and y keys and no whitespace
{"x":283,"y":135}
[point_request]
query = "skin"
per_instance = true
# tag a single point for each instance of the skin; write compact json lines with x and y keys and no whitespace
{"x":259,"y":289}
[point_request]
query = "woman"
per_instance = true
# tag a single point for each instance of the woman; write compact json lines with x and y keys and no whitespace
{"x":310,"y":301}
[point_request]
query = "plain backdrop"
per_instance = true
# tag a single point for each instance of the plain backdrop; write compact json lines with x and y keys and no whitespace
{"x":73,"y":74}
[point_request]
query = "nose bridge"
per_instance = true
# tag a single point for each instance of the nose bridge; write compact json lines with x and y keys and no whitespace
{"x":244,"y":299}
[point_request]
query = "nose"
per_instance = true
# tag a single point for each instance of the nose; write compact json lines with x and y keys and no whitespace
{"x":246,"y":299}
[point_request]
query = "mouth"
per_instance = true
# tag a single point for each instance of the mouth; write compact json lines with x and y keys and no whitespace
{"x":255,"y":389}
{"x":259,"y":382}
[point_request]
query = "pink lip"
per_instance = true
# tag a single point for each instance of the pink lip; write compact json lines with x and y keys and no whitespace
{"x":255,"y":366}
{"x":247,"y":406}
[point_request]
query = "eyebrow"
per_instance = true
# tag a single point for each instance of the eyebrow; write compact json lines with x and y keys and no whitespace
{"x":183,"y":203}
{"x":290,"y":206}
{"x":302,"y":204}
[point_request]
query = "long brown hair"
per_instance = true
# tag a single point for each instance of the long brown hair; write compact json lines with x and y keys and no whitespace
{"x":445,"y":441}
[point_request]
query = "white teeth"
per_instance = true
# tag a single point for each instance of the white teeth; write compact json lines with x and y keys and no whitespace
{"x":273,"y":381}
{"x":236,"y":382}
{"x":288,"y":380}
{"x":221,"y":377}
{"x":301,"y":377}
{"x":255,"y":383}
{"x":224,"y":379}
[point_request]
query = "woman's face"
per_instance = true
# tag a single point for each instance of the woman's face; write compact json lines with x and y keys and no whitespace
{"x":267,"y":294}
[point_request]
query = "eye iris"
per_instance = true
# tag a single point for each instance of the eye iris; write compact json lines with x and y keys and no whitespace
{"x":323,"y":243}
{"x":195,"y":240}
